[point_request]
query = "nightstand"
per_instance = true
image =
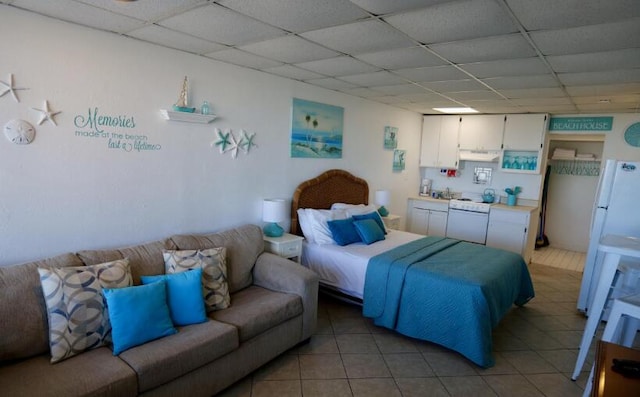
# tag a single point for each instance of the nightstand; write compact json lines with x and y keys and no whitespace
{"x":287,"y":246}
{"x":391,"y":221}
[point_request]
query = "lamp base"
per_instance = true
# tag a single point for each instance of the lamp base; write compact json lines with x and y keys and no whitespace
{"x":383,"y":211}
{"x":272,"y":230}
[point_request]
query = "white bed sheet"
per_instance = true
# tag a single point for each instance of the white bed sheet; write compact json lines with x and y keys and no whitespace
{"x":344,"y":268}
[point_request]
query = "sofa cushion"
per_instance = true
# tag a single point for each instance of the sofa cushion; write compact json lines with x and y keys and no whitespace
{"x":23,"y":314}
{"x":93,"y":373}
{"x":212,"y":261}
{"x":145,"y":259}
{"x":243,"y":245}
{"x":160,"y":361}
{"x":256,"y":309}
{"x":78,"y":317}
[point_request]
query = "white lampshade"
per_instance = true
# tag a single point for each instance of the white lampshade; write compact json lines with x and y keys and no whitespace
{"x":274,"y":210}
{"x":383,"y":197}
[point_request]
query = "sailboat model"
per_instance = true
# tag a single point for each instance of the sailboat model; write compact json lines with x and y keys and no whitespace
{"x":182,"y":105}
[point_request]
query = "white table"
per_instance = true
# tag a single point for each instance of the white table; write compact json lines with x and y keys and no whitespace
{"x":614,"y":247}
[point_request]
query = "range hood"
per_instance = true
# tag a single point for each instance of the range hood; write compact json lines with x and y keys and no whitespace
{"x":480,"y":155}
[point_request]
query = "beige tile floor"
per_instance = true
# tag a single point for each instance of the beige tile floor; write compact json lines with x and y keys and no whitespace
{"x":535,"y":348}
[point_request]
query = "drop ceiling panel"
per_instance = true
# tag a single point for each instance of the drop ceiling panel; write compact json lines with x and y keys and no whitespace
{"x":608,"y":77}
{"x":604,"y":89}
{"x":332,"y":84}
{"x":380,"y":7}
{"x":597,"y":61}
{"x":506,"y":67}
{"x":615,"y":108}
{"x":401,"y":58}
{"x":293,"y":72}
{"x":553,"y":14}
{"x":456,"y":20}
{"x":302,"y":16}
{"x":474,"y":95}
{"x":338,"y":66}
{"x":550,"y":109}
{"x":289,"y":49}
{"x":536,"y":81}
{"x":359,"y":37}
{"x":421,"y":98}
{"x":594,"y":38}
{"x":436,"y":73}
{"x":485,"y":49}
{"x":551,"y":92}
{"x":454,"y":85}
{"x":401,"y":89}
{"x":613,"y":100}
{"x":242,"y":58}
{"x":215,"y":23}
{"x":150,"y":11}
{"x":390,"y":99}
{"x":374,"y":79}
{"x":542,"y":101}
{"x":363,"y":92}
{"x":170,"y":38}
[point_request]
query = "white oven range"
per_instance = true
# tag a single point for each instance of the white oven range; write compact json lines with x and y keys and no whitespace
{"x":468,"y":220}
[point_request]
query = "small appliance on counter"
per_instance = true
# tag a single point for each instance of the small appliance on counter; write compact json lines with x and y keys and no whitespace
{"x":425,"y":187}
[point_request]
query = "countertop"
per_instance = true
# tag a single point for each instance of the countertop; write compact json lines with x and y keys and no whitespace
{"x":525,"y":208}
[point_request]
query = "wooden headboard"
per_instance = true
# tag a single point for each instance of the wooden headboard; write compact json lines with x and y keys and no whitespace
{"x":333,"y":186}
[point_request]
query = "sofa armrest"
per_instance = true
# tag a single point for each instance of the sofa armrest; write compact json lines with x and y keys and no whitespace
{"x":279,"y":274}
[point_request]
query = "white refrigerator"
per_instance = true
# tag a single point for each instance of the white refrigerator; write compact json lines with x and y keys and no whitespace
{"x":616,"y":211}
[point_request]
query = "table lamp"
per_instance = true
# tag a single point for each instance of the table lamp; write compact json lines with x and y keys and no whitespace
{"x":273,"y":211}
{"x":383,"y":197}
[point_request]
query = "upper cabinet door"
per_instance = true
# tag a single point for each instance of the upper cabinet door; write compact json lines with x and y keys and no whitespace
{"x":482,"y":132}
{"x":439,"y":146}
{"x":430,"y":143}
{"x":525,"y":131}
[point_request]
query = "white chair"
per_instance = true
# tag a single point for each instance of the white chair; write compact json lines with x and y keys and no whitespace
{"x":619,"y":329}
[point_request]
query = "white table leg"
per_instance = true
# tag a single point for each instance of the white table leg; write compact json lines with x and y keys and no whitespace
{"x":608,"y":271}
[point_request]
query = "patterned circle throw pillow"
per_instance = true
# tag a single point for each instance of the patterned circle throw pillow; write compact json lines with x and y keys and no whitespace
{"x":215,"y":288}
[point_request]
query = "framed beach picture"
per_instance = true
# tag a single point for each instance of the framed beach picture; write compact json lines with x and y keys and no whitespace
{"x":316,"y":130}
{"x":390,"y":137}
{"x":399,"y":159}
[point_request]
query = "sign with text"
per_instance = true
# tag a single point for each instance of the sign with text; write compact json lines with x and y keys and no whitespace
{"x":580,"y":123}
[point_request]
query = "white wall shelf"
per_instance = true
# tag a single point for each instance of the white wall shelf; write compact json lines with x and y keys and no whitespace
{"x":188,"y":117}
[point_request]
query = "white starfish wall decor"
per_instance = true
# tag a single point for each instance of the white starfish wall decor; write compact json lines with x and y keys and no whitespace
{"x":229,"y":143}
{"x":9,"y":87}
{"x":46,"y":113}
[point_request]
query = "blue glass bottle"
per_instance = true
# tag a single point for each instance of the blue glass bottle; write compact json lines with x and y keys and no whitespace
{"x":204,"y":109}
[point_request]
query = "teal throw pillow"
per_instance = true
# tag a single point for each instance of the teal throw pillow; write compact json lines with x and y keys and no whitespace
{"x":369,"y":230}
{"x":184,"y":296}
{"x":372,"y":215}
{"x":138,"y":315}
{"x":343,"y":231}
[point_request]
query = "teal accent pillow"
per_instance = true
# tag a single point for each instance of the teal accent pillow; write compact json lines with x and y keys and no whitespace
{"x":369,"y":230}
{"x":138,"y":315}
{"x":372,"y":215}
{"x":343,"y":231}
{"x":184,"y":296}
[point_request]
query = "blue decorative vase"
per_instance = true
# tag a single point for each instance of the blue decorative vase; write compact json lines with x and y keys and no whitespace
{"x":272,"y":230}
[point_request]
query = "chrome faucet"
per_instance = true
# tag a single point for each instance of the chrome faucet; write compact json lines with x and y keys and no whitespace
{"x":447,"y":193}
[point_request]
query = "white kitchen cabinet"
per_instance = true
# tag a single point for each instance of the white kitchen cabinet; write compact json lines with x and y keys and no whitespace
{"x":428,"y":218}
{"x":524,"y":131}
{"x":512,"y":230}
{"x":439,"y":146}
{"x":481,"y":132}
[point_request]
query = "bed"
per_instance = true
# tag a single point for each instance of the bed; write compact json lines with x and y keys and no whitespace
{"x":441,"y":290}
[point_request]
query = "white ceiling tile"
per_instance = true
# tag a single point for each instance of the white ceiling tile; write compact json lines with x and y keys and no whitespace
{"x":542,"y":101}
{"x":455,"y":20}
{"x":485,"y":49}
{"x":604,"y":89}
{"x":435,"y":73}
{"x":360,"y":37}
{"x":305,"y":15}
{"x":513,"y":82}
{"x":605,"y":77}
{"x":374,"y":79}
{"x":363,"y":92}
{"x":552,"y":92}
{"x":454,"y":85}
{"x":553,"y":14}
{"x":82,"y":14}
{"x":439,"y":103}
{"x":293,"y":72}
{"x":594,"y":38}
{"x":550,"y":108}
{"x":402,"y":58}
{"x":390,"y":99}
{"x":149,"y":11}
{"x":489,"y":103}
{"x":612,"y":108}
{"x":289,"y":49}
{"x":216,"y":23}
{"x":421,"y":98}
{"x":332,"y":84}
{"x":242,"y":58}
{"x":506,"y":67}
{"x":170,"y":38}
{"x":338,"y":66}
{"x":474,"y":95}
{"x":613,"y":99}
{"x":499,"y":109}
{"x":380,"y":7}
{"x":597,"y":61}
{"x":401,"y":89}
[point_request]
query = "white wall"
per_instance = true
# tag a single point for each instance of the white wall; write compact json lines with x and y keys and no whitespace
{"x":66,"y":193}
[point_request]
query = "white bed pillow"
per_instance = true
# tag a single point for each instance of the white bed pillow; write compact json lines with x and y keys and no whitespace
{"x":317,"y":221}
{"x":305,"y":225}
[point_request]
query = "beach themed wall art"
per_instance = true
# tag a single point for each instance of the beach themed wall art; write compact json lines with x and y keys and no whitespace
{"x":399,"y":160}
{"x":390,"y":137}
{"x":316,"y":130}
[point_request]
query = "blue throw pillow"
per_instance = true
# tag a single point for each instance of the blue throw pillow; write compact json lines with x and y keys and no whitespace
{"x":372,"y":215}
{"x":369,"y":230}
{"x":184,"y":296}
{"x":138,"y":315}
{"x":343,"y":231}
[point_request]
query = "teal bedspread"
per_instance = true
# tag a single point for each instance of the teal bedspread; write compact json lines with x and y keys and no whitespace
{"x":446,"y":291}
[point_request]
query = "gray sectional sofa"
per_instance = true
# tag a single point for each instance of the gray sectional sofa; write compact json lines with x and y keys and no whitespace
{"x":273,"y":308}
